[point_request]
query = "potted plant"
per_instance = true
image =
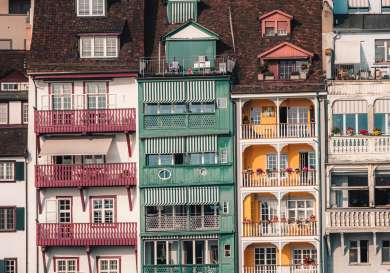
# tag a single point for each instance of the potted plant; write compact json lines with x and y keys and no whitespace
{"x":295,"y":75}
{"x":303,"y":72}
{"x":297,"y":170}
{"x":259,"y":171}
{"x":305,"y":169}
{"x":336,"y":131}
{"x":350,"y":131}
{"x":245,"y":120}
{"x":268,"y":75}
{"x":376,"y":132}
{"x":268,"y":171}
{"x":289,"y":170}
{"x":262,"y":69}
{"x":363,"y":132}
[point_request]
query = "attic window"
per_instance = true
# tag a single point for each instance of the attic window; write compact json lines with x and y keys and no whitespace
{"x":180,"y":11}
{"x":275,"y":23}
{"x":9,"y":86}
{"x":99,"y":46}
{"x":91,"y":7}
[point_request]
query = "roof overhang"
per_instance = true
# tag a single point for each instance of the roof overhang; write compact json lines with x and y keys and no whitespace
{"x":46,"y":76}
{"x":286,"y":50}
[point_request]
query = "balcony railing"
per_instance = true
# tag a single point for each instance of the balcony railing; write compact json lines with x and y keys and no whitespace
{"x":180,"y":121}
{"x":266,"y":229}
{"x":220,"y":65}
{"x":250,"y":179}
{"x":359,"y":144}
{"x":85,"y":175}
{"x":196,"y":268}
{"x":358,"y":219}
{"x":282,"y":269}
{"x":283,"y":130}
{"x":85,"y":121}
{"x":87,"y":234}
{"x":182,"y":222}
{"x":352,"y":72}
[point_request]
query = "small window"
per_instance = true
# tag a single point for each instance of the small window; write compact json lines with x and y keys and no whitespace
{"x":358,"y":252}
{"x":7,"y":219}
{"x":222,"y":103}
{"x":202,"y":107}
{"x":164,"y":174}
{"x":5,"y":44}
{"x":108,"y":265}
{"x":103,"y":210}
{"x":385,"y":251}
{"x":66,"y":265}
{"x":228,"y":250}
{"x":11,"y":265}
{"x":225,"y":207}
{"x":7,"y":171}
{"x":224,"y":156}
{"x":19,"y":6}
{"x":91,"y":7}
{"x":99,"y":47}
{"x":25,"y":113}
{"x":5,"y":86}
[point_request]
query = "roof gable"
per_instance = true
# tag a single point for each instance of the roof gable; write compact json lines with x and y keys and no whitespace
{"x":191,"y":31}
{"x":285,"y":50}
{"x":276,"y":15}
{"x":14,"y":76}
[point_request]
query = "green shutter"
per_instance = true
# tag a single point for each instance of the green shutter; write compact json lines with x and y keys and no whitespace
{"x":19,"y":219}
{"x":2,"y":266}
{"x":19,"y":171}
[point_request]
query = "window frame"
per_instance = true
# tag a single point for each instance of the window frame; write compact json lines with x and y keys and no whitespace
{"x":268,"y":252}
{"x":24,"y":112}
{"x":56,"y":259}
{"x":108,"y":258}
{"x":70,"y":210}
{"x":92,"y":49}
{"x":90,"y":9}
{"x":13,"y":229}
{"x":300,"y":252}
{"x":15,"y":261}
{"x":96,"y":95}
{"x":102,"y":209}
{"x":388,"y":252}
{"x":6,"y":106}
{"x":13,"y":168}
{"x":358,"y":248}
{"x":61,"y":96}
{"x":296,"y":209}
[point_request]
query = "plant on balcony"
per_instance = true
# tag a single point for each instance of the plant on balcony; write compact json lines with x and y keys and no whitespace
{"x":262,"y":70}
{"x":259,"y":171}
{"x":268,"y":171}
{"x":350,"y":131}
{"x":363,"y":132}
{"x":248,"y":171}
{"x":297,"y":170}
{"x":312,"y":218}
{"x":289,"y":170}
{"x":274,"y":219}
{"x":269,"y":75}
{"x":283,"y":220}
{"x":336,"y":131}
{"x":308,"y":261}
{"x":247,"y":221}
{"x":305,"y":169}
{"x":245,"y":120}
{"x":377,"y":132}
{"x":295,"y":75}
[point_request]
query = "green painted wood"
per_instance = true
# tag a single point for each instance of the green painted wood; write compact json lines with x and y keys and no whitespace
{"x":2,"y":266}
{"x":19,"y":171}
{"x":20,"y":219}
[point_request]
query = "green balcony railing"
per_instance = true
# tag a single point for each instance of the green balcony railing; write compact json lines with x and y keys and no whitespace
{"x":178,"y":121}
{"x":201,"y":268}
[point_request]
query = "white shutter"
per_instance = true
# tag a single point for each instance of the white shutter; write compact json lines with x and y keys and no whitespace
{"x":44,"y":102}
{"x":51,"y":211}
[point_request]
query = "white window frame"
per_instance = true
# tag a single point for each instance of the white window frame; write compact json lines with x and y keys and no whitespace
{"x":297,"y":115}
{"x":302,"y":253}
{"x":256,"y":115}
{"x":90,"y":9}
{"x":103,"y":210}
{"x":109,"y":270}
{"x":8,"y":226}
{"x":386,"y":49}
{"x":92,"y":39}
{"x":4,"y":119}
{"x":358,"y":247}
{"x":62,"y":95}
{"x":388,"y":252}
{"x":67,"y":211}
{"x":296,"y":209}
{"x":95,"y":95}
{"x":25,"y":112}
{"x":7,"y":171}
{"x":268,"y":251}
{"x":19,"y":86}
{"x":66,"y":261}
{"x":12,"y":266}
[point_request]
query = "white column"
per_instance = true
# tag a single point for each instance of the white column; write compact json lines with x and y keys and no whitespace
{"x":155,"y":252}
{"x":206,"y":251}
{"x":167,"y":251}
{"x":193,"y":252}
{"x":316,"y":117}
{"x":277,"y":117}
{"x":278,"y":163}
{"x":279,"y":212}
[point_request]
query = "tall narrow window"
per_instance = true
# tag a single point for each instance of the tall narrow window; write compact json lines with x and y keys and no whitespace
{"x":358,"y":252}
{"x":7,"y":219}
{"x":91,"y":7}
{"x":3,"y":113}
{"x":103,"y":210}
{"x":11,"y":265}
{"x":386,"y":251}
{"x":25,"y":113}
{"x":97,"y":95}
{"x":61,"y":96}
{"x":64,"y":210}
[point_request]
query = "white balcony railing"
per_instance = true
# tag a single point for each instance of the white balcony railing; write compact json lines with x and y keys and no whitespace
{"x":359,"y":144}
{"x":182,"y":222}
{"x":286,"y":180}
{"x":281,"y":269}
{"x":304,"y":228}
{"x":282,"y":130}
{"x":358,"y":218}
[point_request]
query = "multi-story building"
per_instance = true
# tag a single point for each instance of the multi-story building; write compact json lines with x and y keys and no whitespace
{"x":83,"y":141}
{"x":187,"y":188}
{"x":358,"y":177}
{"x":15,"y":27}
{"x":13,"y":158}
{"x":278,"y":100}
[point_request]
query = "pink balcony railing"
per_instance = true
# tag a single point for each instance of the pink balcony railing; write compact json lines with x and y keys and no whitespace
{"x":86,"y":234}
{"x":85,"y":175}
{"x":84,"y":121}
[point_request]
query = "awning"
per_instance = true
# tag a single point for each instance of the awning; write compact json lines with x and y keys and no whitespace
{"x":350,"y":107}
{"x":382,"y":106}
{"x":358,"y":4}
{"x":347,"y":52}
{"x":181,"y":196}
{"x":165,"y":145}
{"x":385,"y":3}
{"x":164,"y":92}
{"x":201,"y":91}
{"x":202,"y":144}
{"x":80,"y":146}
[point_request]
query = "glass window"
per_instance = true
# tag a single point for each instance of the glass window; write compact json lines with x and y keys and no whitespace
{"x":165,"y":108}
{"x":99,"y":46}
{"x":270,"y":28}
{"x":256,"y":115}
{"x":61,"y":96}
{"x":350,"y":121}
{"x":196,"y":159}
{"x":385,"y":251}
{"x":7,"y":171}
{"x":300,"y":209}
{"x":209,"y":158}
{"x":272,"y":162}
{"x":338,"y":122}
{"x":265,"y":256}
{"x":7,"y":219}
{"x":180,"y":108}
{"x":152,"y":160}
{"x":208,"y":107}
{"x":10,"y":266}
{"x":358,"y":252}
{"x":380,"y":122}
{"x":66,"y":265}
{"x":362,"y":122}
{"x":149,"y":253}
{"x":109,"y":265}
{"x":64,"y":210}
{"x":166,"y":159}
{"x":25,"y":113}
{"x":195,"y":107}
{"x":179,"y":159}
{"x":151,"y":109}
{"x":349,"y":190}
{"x":286,"y":68}
{"x":19,"y":6}
{"x":305,"y":256}
{"x":103,"y":210}
{"x":3,"y":113}
{"x":97,"y":95}
{"x":380,"y":51}
{"x":90,"y":7}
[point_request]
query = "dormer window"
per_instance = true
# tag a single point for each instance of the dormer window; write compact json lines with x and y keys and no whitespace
{"x":13,"y":86}
{"x":276,"y":23}
{"x":99,"y":46}
{"x":91,"y":7}
{"x":180,"y":11}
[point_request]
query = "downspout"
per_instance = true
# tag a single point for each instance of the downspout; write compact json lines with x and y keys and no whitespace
{"x":36,"y":162}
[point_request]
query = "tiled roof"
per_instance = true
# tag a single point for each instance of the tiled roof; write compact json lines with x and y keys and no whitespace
{"x":56,"y":28}
{"x":12,"y":60}
{"x":13,"y":141}
{"x":278,"y":87}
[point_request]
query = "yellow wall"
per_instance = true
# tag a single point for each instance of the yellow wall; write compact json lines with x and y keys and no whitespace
{"x":293,"y":151}
{"x":287,"y":251}
{"x":252,"y":204}
{"x":249,"y":254}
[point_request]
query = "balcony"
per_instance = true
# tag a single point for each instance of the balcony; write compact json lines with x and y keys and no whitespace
{"x":282,"y":269}
{"x":357,"y":220}
{"x":182,"y":223}
{"x":284,"y":130}
{"x":250,"y":179}
{"x":155,"y":66}
{"x":85,"y":175}
{"x":196,"y":268}
{"x":277,"y":229}
{"x":87,"y":234}
{"x":85,"y":121}
{"x":180,"y":121}
{"x":359,"y":72}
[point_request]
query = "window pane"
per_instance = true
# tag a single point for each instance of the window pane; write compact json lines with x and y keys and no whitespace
{"x":180,"y":108}
{"x":149,"y":253}
{"x":98,"y":7}
{"x":99,"y":46}
{"x":379,"y":122}
{"x":338,"y":122}
{"x":151,"y":109}
{"x":86,"y":45}
{"x":195,"y":108}
{"x":83,"y":7}
{"x":165,"y":108}
{"x":166,"y":159}
{"x":362,"y":122}
{"x":3,"y":113}
{"x":208,"y":108}
{"x":111,"y":46}
{"x":350,"y":121}
{"x":364,"y":251}
{"x":152,"y":160}
{"x":209,"y":158}
{"x":379,"y":51}
{"x":195,"y":159}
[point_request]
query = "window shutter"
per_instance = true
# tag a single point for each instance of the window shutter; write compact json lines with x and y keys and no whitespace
{"x":19,"y":219}
{"x":2,"y":266}
{"x":19,"y":171}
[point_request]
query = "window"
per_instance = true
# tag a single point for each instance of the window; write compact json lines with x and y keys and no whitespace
{"x":382,"y":189}
{"x":385,"y":251}
{"x":5,"y":44}
{"x":7,"y":171}
{"x":382,"y":122}
{"x":92,"y":159}
{"x":3,"y":113}
{"x":109,"y":265}
{"x":283,"y":162}
{"x":349,"y":191}
{"x":265,"y":256}
{"x":164,"y":174}
{"x":19,"y":6}
{"x":225,"y":207}
{"x":305,"y":256}
{"x":297,"y":115}
{"x":358,"y":252}
{"x":228,"y":250}
{"x":91,"y":7}
{"x":203,"y":158}
{"x":256,"y":115}
{"x":96,"y":95}
{"x":61,"y":96}
{"x":286,"y":68}
{"x":103,"y":210}
{"x":202,"y":107}
{"x":11,"y":265}
{"x":224,"y":156}
{"x":9,"y":86}
{"x":300,"y":210}
{"x":7,"y":219}
{"x":356,"y":121}
{"x":154,"y":109}
{"x":66,"y":265}
{"x":222,"y":103}
{"x":99,"y":47}
{"x":25,"y":112}
{"x":276,"y":23}
{"x":272,"y":162}
{"x":382,"y":51}
{"x":64,"y":210}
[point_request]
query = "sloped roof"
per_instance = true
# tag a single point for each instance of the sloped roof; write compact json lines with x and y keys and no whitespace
{"x":14,"y":76}
{"x":13,"y":141}
{"x":204,"y":32}
{"x":12,"y":60}
{"x":285,"y":50}
{"x":288,"y":16}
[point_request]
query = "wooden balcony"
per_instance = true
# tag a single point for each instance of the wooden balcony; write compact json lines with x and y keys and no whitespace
{"x":272,"y":180}
{"x":372,"y":147}
{"x":182,"y":222}
{"x":282,"y":130}
{"x":195,"y":268}
{"x":304,"y":228}
{"x":282,"y":269}
{"x":85,"y":175}
{"x":85,"y":121}
{"x":87,"y":234}
{"x":357,"y":220}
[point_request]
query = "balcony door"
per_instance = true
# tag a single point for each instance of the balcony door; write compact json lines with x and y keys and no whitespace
{"x":265,"y":259}
{"x":96,"y":95}
{"x":307,"y":160}
{"x":61,"y":96}
{"x":304,"y":258}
